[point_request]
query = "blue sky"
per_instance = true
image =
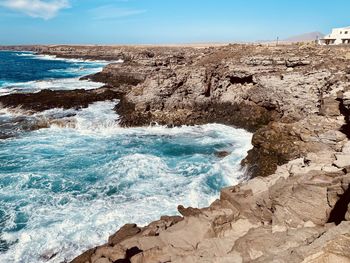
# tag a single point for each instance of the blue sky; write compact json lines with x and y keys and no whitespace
{"x":164,"y":21}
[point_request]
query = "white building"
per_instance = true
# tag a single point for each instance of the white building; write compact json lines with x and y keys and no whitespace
{"x":337,"y":37}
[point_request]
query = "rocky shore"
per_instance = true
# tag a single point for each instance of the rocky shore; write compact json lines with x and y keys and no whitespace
{"x":49,"y":99}
{"x":296,"y":100}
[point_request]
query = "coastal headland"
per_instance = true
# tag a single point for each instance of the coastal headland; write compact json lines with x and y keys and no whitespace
{"x":296,"y":101}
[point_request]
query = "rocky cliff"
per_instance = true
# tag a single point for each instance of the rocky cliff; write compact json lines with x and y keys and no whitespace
{"x":296,"y":100}
{"x":289,"y":96}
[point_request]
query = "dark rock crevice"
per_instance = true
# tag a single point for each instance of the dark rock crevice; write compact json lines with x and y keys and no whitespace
{"x":207,"y":91}
{"x":241,"y":80}
{"x":340,"y":209}
{"x":129,"y":254}
{"x":345,"y":111}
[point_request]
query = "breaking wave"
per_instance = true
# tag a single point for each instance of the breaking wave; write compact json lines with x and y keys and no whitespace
{"x":25,"y":72}
{"x":52,"y":84}
{"x":66,"y":188}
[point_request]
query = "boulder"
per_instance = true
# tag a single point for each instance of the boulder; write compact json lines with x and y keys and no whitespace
{"x":343,"y":160}
{"x":125,"y":232}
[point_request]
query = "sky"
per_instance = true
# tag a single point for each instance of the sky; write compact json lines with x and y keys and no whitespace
{"x":165,"y":21}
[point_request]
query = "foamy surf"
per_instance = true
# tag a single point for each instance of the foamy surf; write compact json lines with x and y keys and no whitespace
{"x":49,"y":72}
{"x":68,"y":186}
{"x":64,"y":190}
{"x":74,"y":60}
{"x":52,"y":84}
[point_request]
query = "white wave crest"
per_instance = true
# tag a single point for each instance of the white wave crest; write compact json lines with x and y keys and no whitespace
{"x":74,"y":60}
{"x":52,"y":84}
{"x":79,"y":185}
{"x":80,"y":67}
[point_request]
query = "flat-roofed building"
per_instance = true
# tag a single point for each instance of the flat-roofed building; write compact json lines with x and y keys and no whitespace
{"x":338,"y":36}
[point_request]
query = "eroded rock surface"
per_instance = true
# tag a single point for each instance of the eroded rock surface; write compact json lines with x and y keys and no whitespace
{"x":49,"y":99}
{"x":296,"y":100}
{"x":280,"y":218}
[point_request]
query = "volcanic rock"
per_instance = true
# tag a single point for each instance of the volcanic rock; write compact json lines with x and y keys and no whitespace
{"x":295,"y":98}
{"x":49,"y":99}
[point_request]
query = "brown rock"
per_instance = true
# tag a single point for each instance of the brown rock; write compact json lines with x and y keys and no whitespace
{"x":125,"y":232}
{"x":293,"y":97}
{"x":222,"y":154}
{"x":85,"y":257}
{"x":188,"y":211}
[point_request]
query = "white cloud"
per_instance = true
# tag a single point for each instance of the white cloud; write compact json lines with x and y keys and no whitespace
{"x":111,"y":12}
{"x":45,"y":9}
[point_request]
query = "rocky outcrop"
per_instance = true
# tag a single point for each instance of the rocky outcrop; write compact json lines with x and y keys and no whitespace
{"x":279,"y":95}
{"x":294,"y":98}
{"x":14,"y":126}
{"x":120,"y":75}
{"x":49,"y":99}
{"x":26,"y":108}
{"x":286,"y":217}
{"x":108,"y":53}
{"x":296,"y":209}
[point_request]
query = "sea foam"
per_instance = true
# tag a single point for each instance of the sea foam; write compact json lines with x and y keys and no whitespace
{"x":64,"y":190}
{"x":52,"y":84}
{"x":46,"y":72}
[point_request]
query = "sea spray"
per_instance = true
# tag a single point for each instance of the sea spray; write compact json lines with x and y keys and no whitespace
{"x":64,"y":190}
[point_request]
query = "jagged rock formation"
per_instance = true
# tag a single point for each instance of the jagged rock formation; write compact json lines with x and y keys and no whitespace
{"x":296,"y":209}
{"x":295,"y":99}
{"x":49,"y":99}
{"x":281,"y":218}
{"x":275,"y":92}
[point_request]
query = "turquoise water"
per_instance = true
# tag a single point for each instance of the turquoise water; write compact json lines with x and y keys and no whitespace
{"x":68,"y":187}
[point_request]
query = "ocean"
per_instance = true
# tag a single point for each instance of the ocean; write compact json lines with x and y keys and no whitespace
{"x":66,"y":188}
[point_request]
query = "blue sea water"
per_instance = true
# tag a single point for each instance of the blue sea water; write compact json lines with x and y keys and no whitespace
{"x":66,"y":188}
{"x":27,"y":72}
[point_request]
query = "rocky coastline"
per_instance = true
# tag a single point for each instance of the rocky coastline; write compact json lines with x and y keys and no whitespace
{"x":296,"y":100}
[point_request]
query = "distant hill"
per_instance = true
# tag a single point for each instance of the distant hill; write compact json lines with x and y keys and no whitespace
{"x":307,"y":37}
